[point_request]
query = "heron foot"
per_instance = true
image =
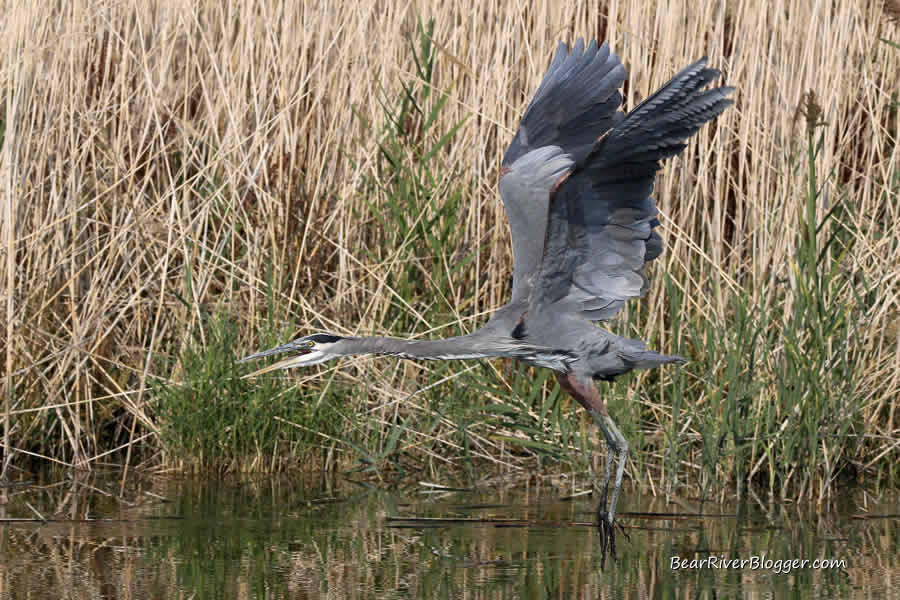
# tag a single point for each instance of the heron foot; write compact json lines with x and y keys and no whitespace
{"x":606,"y":525}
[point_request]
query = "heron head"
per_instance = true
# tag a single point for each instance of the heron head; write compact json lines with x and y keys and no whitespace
{"x":305,"y":351}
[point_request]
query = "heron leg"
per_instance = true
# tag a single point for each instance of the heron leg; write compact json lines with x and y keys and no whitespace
{"x":576,"y":389}
{"x":587,"y":395}
{"x":607,"y":473}
{"x":606,"y":520}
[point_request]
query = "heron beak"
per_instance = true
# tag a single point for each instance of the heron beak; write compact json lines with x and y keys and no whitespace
{"x":301,"y":356}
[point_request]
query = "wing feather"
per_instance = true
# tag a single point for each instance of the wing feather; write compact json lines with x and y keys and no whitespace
{"x":601,"y":219}
{"x":577,"y":101}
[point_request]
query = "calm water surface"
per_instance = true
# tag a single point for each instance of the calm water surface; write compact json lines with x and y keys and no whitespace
{"x":278,"y":537}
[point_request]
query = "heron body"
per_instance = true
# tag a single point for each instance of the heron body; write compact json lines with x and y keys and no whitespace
{"x":576,"y":183}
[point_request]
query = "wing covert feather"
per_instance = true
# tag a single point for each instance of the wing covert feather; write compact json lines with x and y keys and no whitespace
{"x":526,"y":189}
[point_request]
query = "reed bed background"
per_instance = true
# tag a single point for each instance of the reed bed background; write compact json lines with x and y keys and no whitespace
{"x":187,"y":182}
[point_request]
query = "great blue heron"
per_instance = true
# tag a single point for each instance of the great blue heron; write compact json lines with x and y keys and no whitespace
{"x":576,"y":183}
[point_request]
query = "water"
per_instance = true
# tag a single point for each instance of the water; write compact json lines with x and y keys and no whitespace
{"x":278,"y":537}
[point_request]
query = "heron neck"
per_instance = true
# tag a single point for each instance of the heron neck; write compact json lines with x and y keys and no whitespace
{"x":454,"y":348}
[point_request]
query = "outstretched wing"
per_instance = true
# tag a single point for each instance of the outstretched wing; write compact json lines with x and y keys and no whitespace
{"x":600,"y":228}
{"x":577,"y":101}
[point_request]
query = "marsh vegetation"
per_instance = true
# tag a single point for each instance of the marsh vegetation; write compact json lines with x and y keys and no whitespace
{"x":185,"y":183}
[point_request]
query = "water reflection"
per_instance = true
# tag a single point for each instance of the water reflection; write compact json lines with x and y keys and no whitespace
{"x":285,"y":538}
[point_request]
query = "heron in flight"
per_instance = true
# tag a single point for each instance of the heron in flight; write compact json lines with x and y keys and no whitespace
{"x":576,"y":183}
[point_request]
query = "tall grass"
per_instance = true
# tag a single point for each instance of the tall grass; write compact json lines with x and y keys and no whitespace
{"x":304,"y":166}
{"x":803,"y":349}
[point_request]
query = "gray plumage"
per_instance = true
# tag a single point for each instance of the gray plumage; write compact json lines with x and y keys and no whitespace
{"x":576,"y":183}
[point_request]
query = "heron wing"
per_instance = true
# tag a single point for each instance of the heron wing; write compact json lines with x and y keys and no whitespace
{"x":576,"y":102}
{"x":601,"y":219}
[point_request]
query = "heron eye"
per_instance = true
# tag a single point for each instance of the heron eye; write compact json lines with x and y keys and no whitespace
{"x":310,"y":344}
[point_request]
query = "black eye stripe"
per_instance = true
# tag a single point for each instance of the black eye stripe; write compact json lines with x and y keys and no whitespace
{"x":323,"y":338}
